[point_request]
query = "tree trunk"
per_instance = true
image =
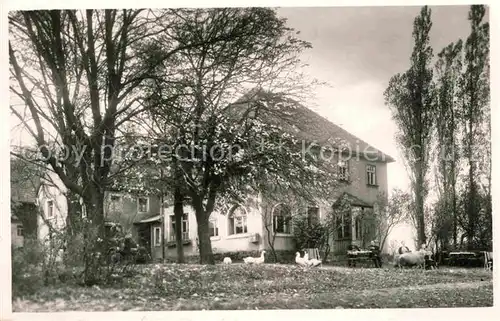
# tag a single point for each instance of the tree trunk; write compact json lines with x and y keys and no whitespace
{"x":74,"y":217}
{"x":96,"y":245}
{"x":419,"y":200}
{"x":471,"y":204}
{"x":178,"y":214}
{"x":205,"y":246}
{"x":271,"y":237}
{"x":454,"y":209}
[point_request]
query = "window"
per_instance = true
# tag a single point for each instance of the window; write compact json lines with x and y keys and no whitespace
{"x":282,"y":219}
{"x":312,"y":215}
{"x":357,"y":214}
{"x":371,"y":177}
{"x":115,"y":203}
{"x":343,"y":170}
{"x":213,"y":228}
{"x":358,"y":227}
{"x":343,"y":223}
{"x":142,"y":204}
{"x":157,"y":236}
{"x":185,"y":227}
{"x":50,"y":208}
{"x":238,"y":221}
{"x":20,"y":230}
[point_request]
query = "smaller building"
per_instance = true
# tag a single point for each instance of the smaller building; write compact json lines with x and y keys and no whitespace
{"x":16,"y":231}
{"x":24,"y":184}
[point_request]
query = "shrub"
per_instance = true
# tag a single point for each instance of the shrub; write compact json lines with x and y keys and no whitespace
{"x":312,"y":234}
{"x":26,"y":268}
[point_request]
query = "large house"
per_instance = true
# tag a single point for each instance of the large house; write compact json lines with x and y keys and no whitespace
{"x":243,"y":227}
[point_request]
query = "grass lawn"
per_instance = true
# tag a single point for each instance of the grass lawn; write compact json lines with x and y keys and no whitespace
{"x":268,"y":286}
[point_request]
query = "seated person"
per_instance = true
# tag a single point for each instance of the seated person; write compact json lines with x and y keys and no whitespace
{"x":375,"y":254}
{"x":128,"y":246}
{"x":428,"y":258}
{"x":352,"y":247}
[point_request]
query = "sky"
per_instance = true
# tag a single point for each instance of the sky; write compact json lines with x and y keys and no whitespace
{"x":357,"y":50}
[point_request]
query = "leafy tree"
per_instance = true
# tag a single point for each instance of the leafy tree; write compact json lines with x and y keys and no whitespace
{"x":474,"y":114}
{"x":448,"y":70}
{"x":410,"y":96}
{"x":386,"y":215}
{"x":313,"y":234}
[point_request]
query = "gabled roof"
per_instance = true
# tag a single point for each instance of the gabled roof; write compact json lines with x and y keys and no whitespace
{"x":152,"y":219}
{"x":353,"y":200}
{"x":306,"y":124}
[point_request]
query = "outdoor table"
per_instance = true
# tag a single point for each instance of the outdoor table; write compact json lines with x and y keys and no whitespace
{"x":461,"y":258}
{"x":355,"y":256}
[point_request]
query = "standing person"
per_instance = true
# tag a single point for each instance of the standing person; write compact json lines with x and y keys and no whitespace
{"x":375,"y":254}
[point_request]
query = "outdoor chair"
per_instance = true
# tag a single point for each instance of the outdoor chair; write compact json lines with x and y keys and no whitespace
{"x":488,"y":260}
{"x":313,"y":253}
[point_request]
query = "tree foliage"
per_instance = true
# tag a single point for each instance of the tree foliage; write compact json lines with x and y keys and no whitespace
{"x":81,"y":76}
{"x":448,"y":71}
{"x":218,"y":129}
{"x":410,"y":96}
{"x":475,"y":114}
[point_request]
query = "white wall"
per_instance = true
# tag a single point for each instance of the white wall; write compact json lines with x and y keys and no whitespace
{"x":224,"y":242}
{"x":55,"y":192}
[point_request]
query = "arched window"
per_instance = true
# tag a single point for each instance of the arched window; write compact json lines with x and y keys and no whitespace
{"x":282,"y":219}
{"x":238,"y":220}
{"x":213,"y":226}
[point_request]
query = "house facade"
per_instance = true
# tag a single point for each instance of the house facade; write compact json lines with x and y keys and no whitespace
{"x":245,"y":227}
{"x":23,"y":190}
{"x":119,"y":207}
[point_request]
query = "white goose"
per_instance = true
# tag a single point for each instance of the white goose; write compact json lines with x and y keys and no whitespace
{"x":260,"y":259}
{"x":255,"y":260}
{"x":314,"y":262}
{"x":300,"y":260}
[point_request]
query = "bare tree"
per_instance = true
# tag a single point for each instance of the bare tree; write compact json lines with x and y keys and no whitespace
{"x":80,"y":74}
{"x":387,"y":214}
